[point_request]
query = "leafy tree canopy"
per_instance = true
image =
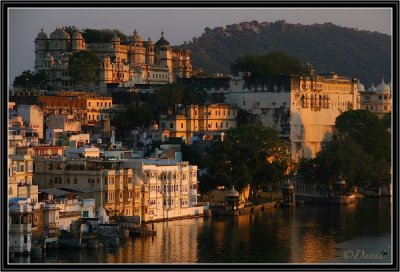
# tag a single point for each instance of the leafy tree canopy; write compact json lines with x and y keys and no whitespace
{"x":29,"y":79}
{"x":272,"y":64}
{"x":360,"y":153}
{"x":366,"y":129}
{"x":102,"y":35}
{"x":82,"y":67}
{"x":249,"y":155}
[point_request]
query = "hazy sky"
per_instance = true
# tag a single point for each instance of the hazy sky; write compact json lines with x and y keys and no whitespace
{"x":179,"y":24}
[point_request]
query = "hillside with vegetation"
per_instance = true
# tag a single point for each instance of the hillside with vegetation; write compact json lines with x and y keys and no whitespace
{"x":328,"y":47}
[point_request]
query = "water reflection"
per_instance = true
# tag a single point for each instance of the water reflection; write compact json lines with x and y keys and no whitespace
{"x":308,"y":234}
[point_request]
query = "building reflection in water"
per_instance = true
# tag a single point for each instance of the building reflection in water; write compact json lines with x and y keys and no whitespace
{"x":305,"y":234}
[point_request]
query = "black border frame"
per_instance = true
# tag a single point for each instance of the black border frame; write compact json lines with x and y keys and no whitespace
{"x":394,"y":5}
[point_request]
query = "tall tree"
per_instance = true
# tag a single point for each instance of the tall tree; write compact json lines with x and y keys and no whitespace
{"x":360,"y":152}
{"x":29,"y":79}
{"x":82,"y":67}
{"x":249,"y":155}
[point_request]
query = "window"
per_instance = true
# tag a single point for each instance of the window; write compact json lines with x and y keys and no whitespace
{"x":10,"y":191}
{"x":181,"y":125}
{"x":85,"y":214}
{"x":380,"y":97}
{"x":385,"y":97}
{"x":21,"y":168}
{"x":25,"y":239}
{"x":75,"y":180}
{"x":171,"y":125}
{"x":68,"y":181}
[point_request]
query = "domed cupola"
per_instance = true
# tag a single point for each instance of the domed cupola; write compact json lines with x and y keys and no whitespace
{"x":77,"y":35}
{"x":78,"y":42}
{"x":41,"y":42}
{"x":136,"y":37}
{"x":232,"y":192}
{"x":360,"y":87}
{"x":162,"y":43}
{"x":42,"y":35}
{"x":372,"y":88}
{"x":383,"y":88}
{"x":59,"y":34}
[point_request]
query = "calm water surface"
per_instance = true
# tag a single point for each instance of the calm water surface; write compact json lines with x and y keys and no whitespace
{"x":307,"y":234}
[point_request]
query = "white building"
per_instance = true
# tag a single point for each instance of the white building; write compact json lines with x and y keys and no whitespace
{"x":20,"y":225}
{"x":32,"y":115}
{"x":302,"y":109}
{"x":172,"y":187}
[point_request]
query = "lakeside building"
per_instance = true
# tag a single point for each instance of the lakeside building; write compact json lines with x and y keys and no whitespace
{"x":171,"y":186}
{"x":135,"y":61}
{"x":376,"y":99}
{"x":152,"y":189}
{"x":302,"y":109}
{"x":212,"y":119}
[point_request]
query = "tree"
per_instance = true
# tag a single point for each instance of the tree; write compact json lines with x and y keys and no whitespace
{"x":387,"y":120}
{"x":365,"y":128}
{"x":82,"y":67}
{"x":249,"y":155}
{"x":24,"y":80}
{"x":70,"y":30}
{"x":29,"y":79}
{"x":272,"y":64}
{"x":360,"y":152}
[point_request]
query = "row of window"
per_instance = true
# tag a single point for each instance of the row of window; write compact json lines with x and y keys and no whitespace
{"x":375,"y":108}
{"x":173,"y":175}
{"x":100,"y":104}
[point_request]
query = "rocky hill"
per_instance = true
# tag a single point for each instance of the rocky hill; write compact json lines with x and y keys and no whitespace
{"x":328,"y":47}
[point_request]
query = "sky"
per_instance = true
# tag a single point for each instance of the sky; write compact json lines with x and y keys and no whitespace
{"x":178,"y":24}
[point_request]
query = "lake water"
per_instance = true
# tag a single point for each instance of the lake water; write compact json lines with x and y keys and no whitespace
{"x":358,"y":233}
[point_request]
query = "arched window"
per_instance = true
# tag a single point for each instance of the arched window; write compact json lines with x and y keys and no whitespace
{"x":10,"y":191}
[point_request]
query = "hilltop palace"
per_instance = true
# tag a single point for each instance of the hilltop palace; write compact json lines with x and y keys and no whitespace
{"x":135,"y":61}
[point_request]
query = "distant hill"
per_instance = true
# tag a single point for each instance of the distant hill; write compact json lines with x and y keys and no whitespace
{"x":328,"y":47}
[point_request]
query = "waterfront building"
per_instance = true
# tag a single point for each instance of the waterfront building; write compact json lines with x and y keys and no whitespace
{"x":103,"y":180}
{"x":376,"y":99}
{"x":212,"y":119}
{"x":20,"y":225}
{"x":171,"y":186}
{"x":302,"y":109}
{"x":134,"y":61}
